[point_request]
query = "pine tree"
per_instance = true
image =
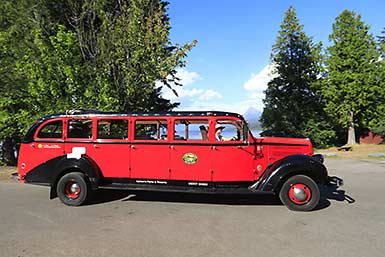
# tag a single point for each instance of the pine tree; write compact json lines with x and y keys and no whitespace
{"x":351,"y":88}
{"x":377,"y":125}
{"x":292,"y":107}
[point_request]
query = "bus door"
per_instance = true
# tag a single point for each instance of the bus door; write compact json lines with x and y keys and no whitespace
{"x":190,"y":154}
{"x":233,"y":156}
{"x":149,"y":156}
{"x":78,"y":137}
{"x":111,"y":149}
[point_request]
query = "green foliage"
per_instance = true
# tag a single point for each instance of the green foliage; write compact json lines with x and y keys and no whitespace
{"x":54,"y":75}
{"x":111,"y":55}
{"x":13,"y":90}
{"x":321,"y":132}
{"x":377,"y":124}
{"x":292,"y":105}
{"x":127,"y":44}
{"x":352,"y":82}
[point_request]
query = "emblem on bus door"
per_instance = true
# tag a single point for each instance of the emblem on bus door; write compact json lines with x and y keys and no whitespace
{"x":190,"y":158}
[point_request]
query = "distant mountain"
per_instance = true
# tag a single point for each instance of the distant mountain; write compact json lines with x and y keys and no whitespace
{"x":252,"y":117}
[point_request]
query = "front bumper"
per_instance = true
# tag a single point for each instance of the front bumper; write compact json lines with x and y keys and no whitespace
{"x":335,"y":181}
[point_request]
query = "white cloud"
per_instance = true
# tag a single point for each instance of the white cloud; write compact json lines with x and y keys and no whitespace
{"x":254,"y":88}
{"x":196,"y":98}
{"x":189,"y":92}
{"x":258,"y":82}
{"x":188,"y":78}
{"x":237,"y":107}
{"x":209,"y":94}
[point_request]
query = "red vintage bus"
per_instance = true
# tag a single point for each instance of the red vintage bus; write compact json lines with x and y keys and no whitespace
{"x":79,"y":151}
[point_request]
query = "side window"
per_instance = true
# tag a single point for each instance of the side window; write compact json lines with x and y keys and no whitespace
{"x":229,"y":130}
{"x":151,"y":130}
{"x":191,"y":130}
{"x":80,"y":129}
{"x":112,"y":129}
{"x":52,"y":129}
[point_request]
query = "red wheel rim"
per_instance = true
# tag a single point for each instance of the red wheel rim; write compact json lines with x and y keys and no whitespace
{"x":299,"y":194}
{"x":72,"y":189}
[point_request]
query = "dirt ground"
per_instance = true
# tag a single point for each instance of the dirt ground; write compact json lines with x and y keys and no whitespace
{"x":357,"y":152}
{"x":6,"y":172}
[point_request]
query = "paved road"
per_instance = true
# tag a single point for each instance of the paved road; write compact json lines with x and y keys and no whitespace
{"x":180,"y":225}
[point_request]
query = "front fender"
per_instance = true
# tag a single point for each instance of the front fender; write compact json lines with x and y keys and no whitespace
{"x":274,"y":176}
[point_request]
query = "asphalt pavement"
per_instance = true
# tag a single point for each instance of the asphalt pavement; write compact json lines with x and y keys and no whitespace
{"x":351,"y":222}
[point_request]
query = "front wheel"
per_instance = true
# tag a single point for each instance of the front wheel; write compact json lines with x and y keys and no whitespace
{"x":72,"y":189}
{"x":300,"y":193}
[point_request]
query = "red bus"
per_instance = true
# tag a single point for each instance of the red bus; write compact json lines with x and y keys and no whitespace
{"x":80,"y":151}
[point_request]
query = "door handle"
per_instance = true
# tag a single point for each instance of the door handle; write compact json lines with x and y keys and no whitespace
{"x":214,"y":148}
{"x":32,"y":145}
{"x":96,"y":146}
{"x":132,"y":147}
{"x":172,"y":147}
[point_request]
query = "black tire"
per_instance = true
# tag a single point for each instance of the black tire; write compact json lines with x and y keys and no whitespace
{"x":300,"y":193}
{"x":72,"y":189}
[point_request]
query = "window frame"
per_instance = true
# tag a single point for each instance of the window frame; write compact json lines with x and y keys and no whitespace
{"x":205,"y":121}
{"x":86,"y":139}
{"x":155,"y":120}
{"x":245,"y":137}
{"x":111,"y":119}
{"x":43,"y":125}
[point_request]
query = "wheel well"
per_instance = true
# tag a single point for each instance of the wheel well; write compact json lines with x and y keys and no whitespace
{"x":53,"y":193}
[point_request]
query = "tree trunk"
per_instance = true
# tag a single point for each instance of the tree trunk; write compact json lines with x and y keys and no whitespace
{"x":351,"y":132}
{"x":8,"y":152}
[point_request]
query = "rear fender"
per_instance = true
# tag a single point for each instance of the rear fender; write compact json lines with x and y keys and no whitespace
{"x":84,"y":164}
{"x":276,"y":174}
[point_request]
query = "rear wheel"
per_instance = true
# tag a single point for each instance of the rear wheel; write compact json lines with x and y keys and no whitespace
{"x":300,"y":193}
{"x":72,"y":189}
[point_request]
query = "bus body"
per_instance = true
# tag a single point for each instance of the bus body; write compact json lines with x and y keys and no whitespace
{"x":79,"y":151}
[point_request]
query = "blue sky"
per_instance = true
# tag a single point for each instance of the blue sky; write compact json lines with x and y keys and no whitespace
{"x":228,"y":69}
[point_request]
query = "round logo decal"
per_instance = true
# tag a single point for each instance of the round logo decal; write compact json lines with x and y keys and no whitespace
{"x":190,"y":158}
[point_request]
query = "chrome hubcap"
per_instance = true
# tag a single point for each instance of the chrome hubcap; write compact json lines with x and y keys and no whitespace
{"x":299,"y":194}
{"x":74,"y":188}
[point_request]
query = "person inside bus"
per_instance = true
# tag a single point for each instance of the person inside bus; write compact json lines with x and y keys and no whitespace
{"x":218,"y":134}
{"x":204,"y":132}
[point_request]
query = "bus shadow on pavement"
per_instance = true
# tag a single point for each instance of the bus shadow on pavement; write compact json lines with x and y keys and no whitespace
{"x":332,"y":192}
{"x":104,"y":196}
{"x":221,"y":199}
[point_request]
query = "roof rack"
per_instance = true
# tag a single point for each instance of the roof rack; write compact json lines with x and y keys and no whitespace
{"x":81,"y":111}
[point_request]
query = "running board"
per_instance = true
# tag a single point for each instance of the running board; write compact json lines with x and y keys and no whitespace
{"x":182,"y":189}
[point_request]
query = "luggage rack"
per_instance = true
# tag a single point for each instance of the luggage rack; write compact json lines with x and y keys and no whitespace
{"x":82,"y":111}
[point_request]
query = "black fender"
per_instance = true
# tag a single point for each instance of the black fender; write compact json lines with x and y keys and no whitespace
{"x":276,"y":174}
{"x":50,"y":172}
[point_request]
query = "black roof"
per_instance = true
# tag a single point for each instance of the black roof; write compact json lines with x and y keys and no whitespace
{"x":87,"y":112}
